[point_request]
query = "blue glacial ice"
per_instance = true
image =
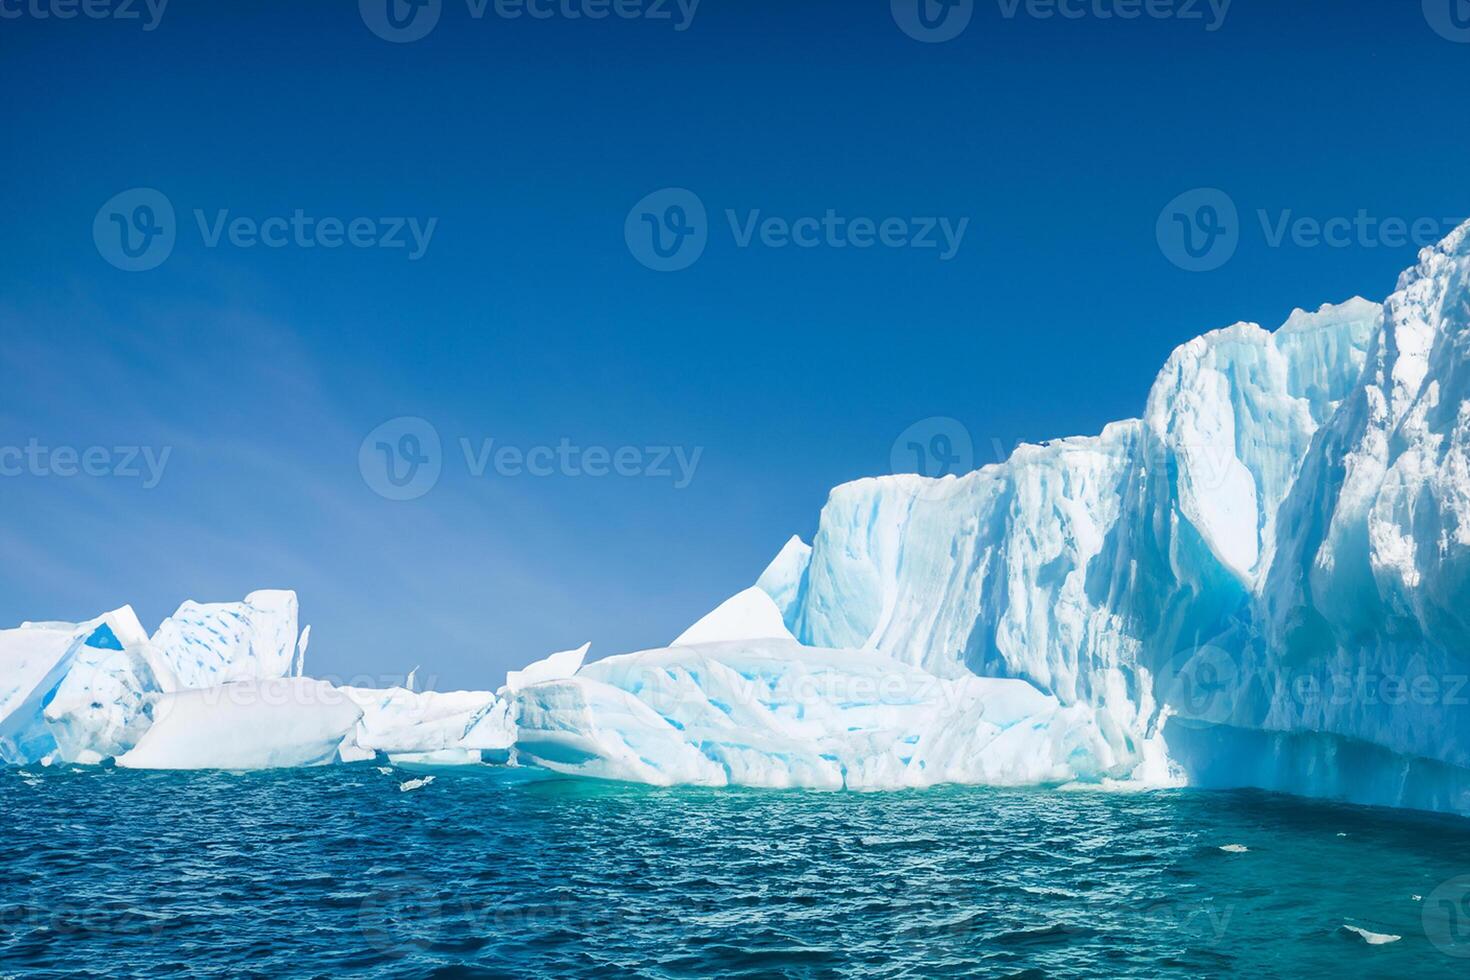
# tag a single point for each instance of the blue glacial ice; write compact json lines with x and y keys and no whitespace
{"x":1270,"y":571}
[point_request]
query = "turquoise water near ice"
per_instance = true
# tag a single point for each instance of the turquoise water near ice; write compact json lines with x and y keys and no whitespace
{"x":337,"y":872}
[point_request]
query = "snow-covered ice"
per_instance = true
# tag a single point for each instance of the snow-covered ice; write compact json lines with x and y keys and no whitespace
{"x":251,"y":724}
{"x":554,"y":667}
{"x":773,"y":713}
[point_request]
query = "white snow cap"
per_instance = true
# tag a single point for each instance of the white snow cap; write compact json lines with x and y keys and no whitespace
{"x":553,"y":668}
{"x":749,"y":615}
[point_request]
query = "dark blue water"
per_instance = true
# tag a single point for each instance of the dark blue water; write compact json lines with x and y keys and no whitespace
{"x":337,"y":872}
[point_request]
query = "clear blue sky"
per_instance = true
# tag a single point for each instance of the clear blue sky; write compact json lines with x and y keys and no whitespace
{"x":528,"y":320}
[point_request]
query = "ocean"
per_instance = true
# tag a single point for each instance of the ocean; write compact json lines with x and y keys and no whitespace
{"x":498,"y":873}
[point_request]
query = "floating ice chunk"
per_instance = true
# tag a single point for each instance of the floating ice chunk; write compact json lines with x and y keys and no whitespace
{"x":1234,"y":848}
{"x":255,"y":724}
{"x":1371,"y":938}
{"x":400,"y":720}
{"x":748,"y":615}
{"x":414,"y":784}
{"x":554,"y":667}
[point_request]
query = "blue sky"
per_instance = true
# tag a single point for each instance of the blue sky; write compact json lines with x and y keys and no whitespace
{"x":529,"y":320}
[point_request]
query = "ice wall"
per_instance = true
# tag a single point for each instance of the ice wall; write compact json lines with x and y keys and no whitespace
{"x":1276,"y":555}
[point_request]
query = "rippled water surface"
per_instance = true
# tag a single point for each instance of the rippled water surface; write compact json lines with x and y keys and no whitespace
{"x":339,"y":872}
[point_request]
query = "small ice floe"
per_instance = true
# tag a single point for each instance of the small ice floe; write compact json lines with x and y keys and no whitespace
{"x":386,"y":770}
{"x":1342,"y":835}
{"x":414,"y":784}
{"x":1234,"y":848}
{"x":1371,"y":938}
{"x":1416,"y":898}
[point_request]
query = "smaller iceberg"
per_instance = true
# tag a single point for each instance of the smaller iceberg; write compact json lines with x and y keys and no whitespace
{"x":733,"y":702}
{"x":429,"y":727}
{"x":254,"y":724}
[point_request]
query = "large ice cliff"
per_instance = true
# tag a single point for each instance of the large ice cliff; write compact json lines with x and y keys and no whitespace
{"x":1268,"y":570}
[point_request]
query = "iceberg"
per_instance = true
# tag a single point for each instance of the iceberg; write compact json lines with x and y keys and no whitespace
{"x":253,"y":724}
{"x":1264,"y":580}
{"x":456,"y":725}
{"x":773,"y":713}
{"x":103,"y":704}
